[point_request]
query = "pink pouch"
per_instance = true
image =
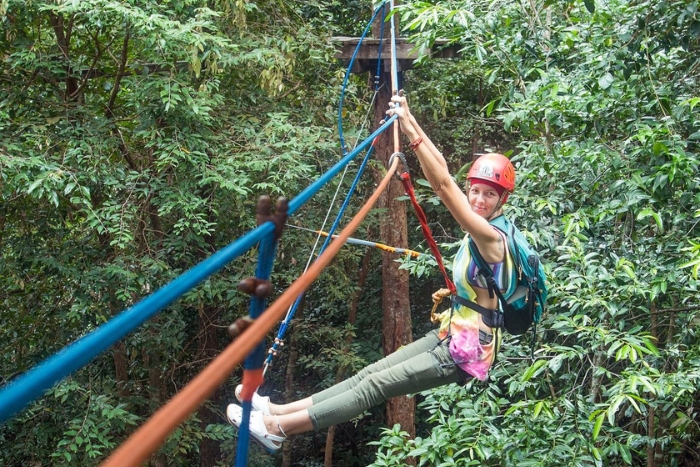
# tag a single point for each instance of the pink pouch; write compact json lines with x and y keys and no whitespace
{"x":468,"y":353}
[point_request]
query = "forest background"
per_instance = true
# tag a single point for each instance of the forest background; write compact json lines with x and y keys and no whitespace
{"x":137,"y":136}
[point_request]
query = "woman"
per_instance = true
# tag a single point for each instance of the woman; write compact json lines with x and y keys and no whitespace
{"x":464,"y":346}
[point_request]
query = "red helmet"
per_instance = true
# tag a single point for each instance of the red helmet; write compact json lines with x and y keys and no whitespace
{"x":494,"y":169}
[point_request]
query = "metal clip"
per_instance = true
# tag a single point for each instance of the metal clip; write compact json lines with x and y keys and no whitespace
{"x":401,"y":156}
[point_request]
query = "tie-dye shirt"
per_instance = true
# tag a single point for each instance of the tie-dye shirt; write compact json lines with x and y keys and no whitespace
{"x":462,"y":324}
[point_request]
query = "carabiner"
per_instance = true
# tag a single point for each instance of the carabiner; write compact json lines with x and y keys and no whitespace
{"x":401,"y":156}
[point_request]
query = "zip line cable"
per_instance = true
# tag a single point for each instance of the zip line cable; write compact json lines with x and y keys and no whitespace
{"x":394,"y":74}
{"x":356,"y":241}
{"x":292,"y":309}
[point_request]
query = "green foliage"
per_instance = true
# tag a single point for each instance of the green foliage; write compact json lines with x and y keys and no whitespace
{"x":135,"y":139}
{"x":73,"y":425}
{"x":601,"y":99}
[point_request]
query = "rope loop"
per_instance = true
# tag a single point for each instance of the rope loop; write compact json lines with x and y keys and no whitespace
{"x":437,"y":300}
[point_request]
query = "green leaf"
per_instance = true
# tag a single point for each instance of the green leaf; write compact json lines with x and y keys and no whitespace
{"x":590,"y":5}
{"x":655,"y":215}
{"x":597,"y":426}
{"x":625,"y":453}
{"x":538,"y":409}
{"x":605,"y":81}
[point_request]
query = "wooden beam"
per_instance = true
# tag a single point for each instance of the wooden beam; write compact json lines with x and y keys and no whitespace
{"x":406,"y":52}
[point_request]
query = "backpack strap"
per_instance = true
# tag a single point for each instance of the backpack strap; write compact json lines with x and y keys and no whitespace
{"x":486,"y":272}
{"x":492,"y":317}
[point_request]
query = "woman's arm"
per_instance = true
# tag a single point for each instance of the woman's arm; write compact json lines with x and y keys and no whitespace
{"x":436,"y":172}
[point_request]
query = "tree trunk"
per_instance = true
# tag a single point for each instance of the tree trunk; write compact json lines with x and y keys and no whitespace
{"x":121,"y":372}
{"x":396,"y":307}
{"x":651,"y":433}
{"x":596,"y":381}
{"x":209,"y":449}
{"x":156,"y":389}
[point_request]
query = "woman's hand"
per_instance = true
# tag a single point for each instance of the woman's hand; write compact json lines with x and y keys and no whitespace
{"x":399,"y":107}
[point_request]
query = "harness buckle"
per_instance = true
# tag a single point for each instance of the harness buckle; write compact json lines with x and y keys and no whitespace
{"x":494,"y":319}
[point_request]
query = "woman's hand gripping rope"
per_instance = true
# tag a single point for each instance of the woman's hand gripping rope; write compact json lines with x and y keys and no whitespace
{"x":437,"y":299}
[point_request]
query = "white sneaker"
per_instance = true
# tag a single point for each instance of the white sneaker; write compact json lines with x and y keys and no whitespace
{"x":259,"y":403}
{"x":256,"y":426}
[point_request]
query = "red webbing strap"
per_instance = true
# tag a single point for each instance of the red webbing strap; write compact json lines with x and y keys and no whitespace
{"x":408,"y":187}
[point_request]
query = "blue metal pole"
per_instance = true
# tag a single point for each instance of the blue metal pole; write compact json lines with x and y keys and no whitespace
{"x":18,"y":393}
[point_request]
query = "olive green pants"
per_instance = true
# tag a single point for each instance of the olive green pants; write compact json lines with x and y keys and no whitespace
{"x":423,"y":364}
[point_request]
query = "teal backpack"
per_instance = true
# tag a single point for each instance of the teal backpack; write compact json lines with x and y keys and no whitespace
{"x":525,"y":305}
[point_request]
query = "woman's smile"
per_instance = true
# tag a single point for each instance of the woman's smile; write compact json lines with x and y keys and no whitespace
{"x":483,"y":199}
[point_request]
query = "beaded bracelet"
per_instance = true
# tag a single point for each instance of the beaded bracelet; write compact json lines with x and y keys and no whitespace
{"x":416,"y":143}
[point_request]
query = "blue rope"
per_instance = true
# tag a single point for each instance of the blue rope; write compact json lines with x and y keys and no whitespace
{"x":394,"y":70}
{"x":243,"y":443}
{"x":343,"y":147}
{"x":18,"y":393}
{"x":381,"y":44}
{"x":266,"y":258}
{"x":290,"y":315}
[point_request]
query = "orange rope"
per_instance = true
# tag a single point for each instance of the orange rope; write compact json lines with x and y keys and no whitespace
{"x":151,"y":435}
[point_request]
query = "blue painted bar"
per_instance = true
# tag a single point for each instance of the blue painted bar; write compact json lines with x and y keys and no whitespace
{"x":27,"y":387}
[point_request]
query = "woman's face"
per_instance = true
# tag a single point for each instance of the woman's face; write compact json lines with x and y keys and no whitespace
{"x":483,"y":199}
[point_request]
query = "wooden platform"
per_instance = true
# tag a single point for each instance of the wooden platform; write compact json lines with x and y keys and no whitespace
{"x":406,"y":52}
